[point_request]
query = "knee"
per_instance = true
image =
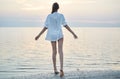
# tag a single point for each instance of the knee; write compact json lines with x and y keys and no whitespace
{"x":54,"y":53}
{"x":60,"y":51}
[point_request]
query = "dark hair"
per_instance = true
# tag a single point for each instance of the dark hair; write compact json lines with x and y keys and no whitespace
{"x":55,"y":7}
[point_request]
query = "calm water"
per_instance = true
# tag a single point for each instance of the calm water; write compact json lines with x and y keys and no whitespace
{"x":96,"y":49}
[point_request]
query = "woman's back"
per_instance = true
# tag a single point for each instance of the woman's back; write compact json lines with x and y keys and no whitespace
{"x":53,"y":23}
{"x":55,"y":20}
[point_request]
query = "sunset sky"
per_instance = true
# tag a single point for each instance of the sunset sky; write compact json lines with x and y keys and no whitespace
{"x":77,"y":12}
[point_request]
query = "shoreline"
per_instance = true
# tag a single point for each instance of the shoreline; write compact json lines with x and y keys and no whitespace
{"x":79,"y":74}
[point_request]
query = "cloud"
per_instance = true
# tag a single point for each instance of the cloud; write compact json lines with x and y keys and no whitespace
{"x":31,"y":5}
{"x":21,"y":1}
{"x":32,"y":8}
{"x":79,"y":1}
{"x":81,"y":11}
{"x":87,"y":1}
{"x":96,"y":21}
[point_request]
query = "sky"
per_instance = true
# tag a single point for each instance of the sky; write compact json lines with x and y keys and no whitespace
{"x":78,"y":13}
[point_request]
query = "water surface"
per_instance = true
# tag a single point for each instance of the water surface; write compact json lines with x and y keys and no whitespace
{"x":95,"y":49}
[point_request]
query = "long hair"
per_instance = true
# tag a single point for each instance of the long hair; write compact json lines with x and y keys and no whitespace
{"x":55,"y":7}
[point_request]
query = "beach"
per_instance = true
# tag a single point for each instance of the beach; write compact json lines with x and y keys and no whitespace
{"x":98,"y":74}
{"x":94,"y":55}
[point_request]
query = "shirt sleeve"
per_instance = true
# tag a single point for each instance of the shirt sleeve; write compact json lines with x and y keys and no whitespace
{"x":63,"y":20}
{"x":46,"y":22}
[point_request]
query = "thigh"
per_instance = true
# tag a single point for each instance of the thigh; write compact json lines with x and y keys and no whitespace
{"x":60,"y":44}
{"x":53,"y":43}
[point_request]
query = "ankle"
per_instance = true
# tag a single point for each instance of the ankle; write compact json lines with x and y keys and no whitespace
{"x":55,"y":70}
{"x":61,"y":70}
{"x":61,"y":73}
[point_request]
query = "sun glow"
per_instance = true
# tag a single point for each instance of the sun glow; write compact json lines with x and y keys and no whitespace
{"x":75,"y":11}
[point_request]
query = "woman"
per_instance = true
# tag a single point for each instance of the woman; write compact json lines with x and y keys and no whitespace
{"x":54,"y":34}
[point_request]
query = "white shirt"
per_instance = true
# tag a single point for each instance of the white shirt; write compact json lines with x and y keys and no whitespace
{"x":53,"y":23}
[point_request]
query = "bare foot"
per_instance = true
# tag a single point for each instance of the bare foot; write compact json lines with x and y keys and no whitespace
{"x":56,"y":72}
{"x":61,"y":73}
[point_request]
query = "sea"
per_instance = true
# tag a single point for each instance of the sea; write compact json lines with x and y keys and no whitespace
{"x":97,"y":48}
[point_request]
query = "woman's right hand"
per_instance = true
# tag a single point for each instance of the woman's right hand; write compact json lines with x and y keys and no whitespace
{"x":75,"y":36}
{"x":36,"y":38}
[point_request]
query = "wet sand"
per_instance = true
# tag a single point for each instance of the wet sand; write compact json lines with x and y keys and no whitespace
{"x":97,"y":74}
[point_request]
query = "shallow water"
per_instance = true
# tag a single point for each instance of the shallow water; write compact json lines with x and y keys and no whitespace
{"x":95,"y":49}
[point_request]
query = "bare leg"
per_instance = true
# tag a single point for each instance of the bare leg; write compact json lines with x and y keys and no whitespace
{"x":54,"y":50}
{"x":60,"y":49}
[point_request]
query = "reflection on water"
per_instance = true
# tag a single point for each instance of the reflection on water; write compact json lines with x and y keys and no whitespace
{"x":96,"y":48}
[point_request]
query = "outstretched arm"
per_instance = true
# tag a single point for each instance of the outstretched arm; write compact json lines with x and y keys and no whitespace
{"x":42,"y":31}
{"x":69,"y":29}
